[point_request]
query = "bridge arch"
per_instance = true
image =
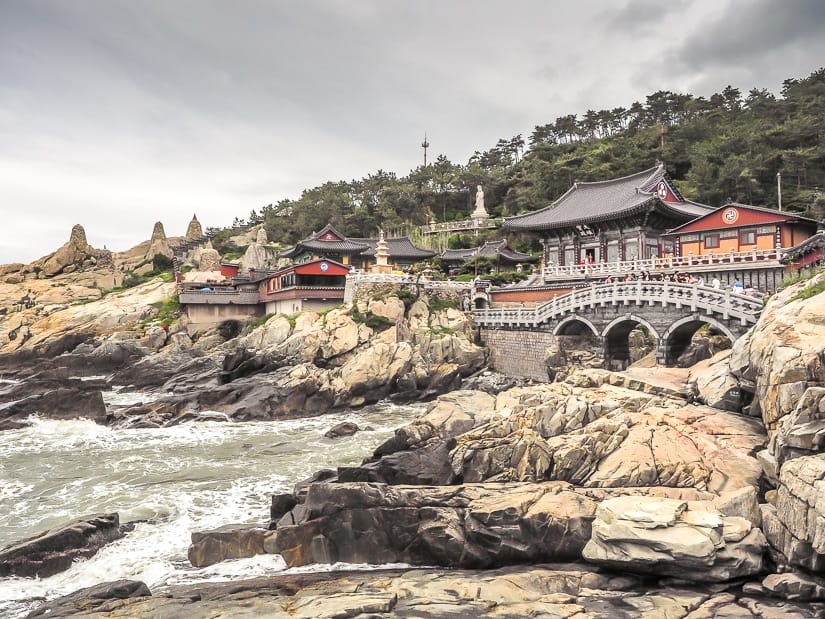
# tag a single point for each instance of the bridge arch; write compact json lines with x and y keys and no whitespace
{"x":616,"y":338}
{"x":564,"y":326}
{"x":678,"y":336}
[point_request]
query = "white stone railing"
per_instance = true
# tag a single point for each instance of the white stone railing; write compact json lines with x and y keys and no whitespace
{"x":219,"y":296}
{"x":454,"y":226}
{"x":697,"y":298}
{"x":603,"y":269}
{"x":380,"y":278}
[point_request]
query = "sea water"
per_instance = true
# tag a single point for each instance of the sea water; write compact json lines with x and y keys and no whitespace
{"x":170,"y":482}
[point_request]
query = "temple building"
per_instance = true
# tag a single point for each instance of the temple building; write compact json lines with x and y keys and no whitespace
{"x":616,"y":220}
{"x":742,"y":228}
{"x":311,"y":285}
{"x":359,"y":253}
{"x":504,"y":257}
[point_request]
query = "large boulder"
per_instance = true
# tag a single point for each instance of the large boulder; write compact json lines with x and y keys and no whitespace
{"x":712,"y":383}
{"x":664,"y":536}
{"x":478,"y":525}
{"x":60,"y":403}
{"x":227,"y":542}
{"x":782,"y":354}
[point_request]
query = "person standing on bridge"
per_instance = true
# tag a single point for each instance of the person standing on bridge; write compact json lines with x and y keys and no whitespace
{"x":716,"y":283}
{"x":738,"y":288}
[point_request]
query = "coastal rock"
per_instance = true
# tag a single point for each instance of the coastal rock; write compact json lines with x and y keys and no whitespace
{"x":795,"y":586}
{"x":666,"y":536}
{"x":478,"y":525}
{"x":712,"y":383}
{"x":801,"y":432}
{"x":54,"y":550}
{"x":796,"y":526}
{"x":371,"y":373}
{"x":118,"y":315}
{"x":227,"y":542}
{"x":346,"y":428}
{"x":782,"y":354}
{"x":73,"y":254}
{"x":60,"y":403}
{"x":596,"y":437}
{"x":391,"y":308}
{"x":552,"y":591}
{"x":92,"y":599}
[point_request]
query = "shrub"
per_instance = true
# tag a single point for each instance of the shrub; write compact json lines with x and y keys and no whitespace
{"x":407,"y":297}
{"x":810,"y":291}
{"x":161,"y":263}
{"x":437,"y":304}
{"x":373,"y":321}
{"x":168,"y":311}
{"x":131,"y":279}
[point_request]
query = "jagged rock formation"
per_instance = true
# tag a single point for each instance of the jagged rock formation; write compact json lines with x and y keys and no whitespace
{"x":194,"y":229}
{"x":158,"y":233}
{"x":317,"y":364}
{"x":75,"y":255}
{"x":54,"y":318}
{"x":781,"y":361}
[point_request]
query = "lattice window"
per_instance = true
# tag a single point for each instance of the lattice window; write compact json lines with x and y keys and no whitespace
{"x":747,"y":236}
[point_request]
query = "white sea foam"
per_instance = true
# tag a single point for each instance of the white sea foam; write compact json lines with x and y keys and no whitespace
{"x":169,"y":482}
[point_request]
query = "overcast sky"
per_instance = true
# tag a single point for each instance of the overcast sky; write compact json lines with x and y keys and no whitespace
{"x":118,"y":113}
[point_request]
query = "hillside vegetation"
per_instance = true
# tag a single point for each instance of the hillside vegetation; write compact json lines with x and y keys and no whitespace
{"x":726,"y":147}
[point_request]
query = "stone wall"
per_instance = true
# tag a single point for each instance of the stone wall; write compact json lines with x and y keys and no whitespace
{"x":517,"y":352}
{"x":202,"y":316}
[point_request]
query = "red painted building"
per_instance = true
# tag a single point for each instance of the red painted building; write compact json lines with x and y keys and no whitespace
{"x":313,"y":285}
{"x":742,"y":228}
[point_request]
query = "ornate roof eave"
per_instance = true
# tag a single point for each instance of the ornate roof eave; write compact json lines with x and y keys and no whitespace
{"x":586,"y":221}
{"x":809,"y":245}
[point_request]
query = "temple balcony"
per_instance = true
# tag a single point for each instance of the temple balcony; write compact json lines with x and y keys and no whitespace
{"x":705,"y":262}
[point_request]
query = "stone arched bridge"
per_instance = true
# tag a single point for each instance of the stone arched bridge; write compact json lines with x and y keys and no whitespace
{"x":671,"y":312}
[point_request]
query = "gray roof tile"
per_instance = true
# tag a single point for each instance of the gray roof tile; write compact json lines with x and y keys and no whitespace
{"x":590,"y":202}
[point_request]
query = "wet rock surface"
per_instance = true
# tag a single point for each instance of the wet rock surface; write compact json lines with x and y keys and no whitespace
{"x":54,"y":550}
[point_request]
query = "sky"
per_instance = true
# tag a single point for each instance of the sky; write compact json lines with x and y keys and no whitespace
{"x":115,"y":114}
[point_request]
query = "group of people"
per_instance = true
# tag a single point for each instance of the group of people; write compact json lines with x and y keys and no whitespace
{"x":683,"y":278}
{"x":647,"y":276}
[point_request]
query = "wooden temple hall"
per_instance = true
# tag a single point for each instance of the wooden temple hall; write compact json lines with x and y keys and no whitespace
{"x":641,"y":223}
{"x":358,"y":253}
{"x":608,"y":221}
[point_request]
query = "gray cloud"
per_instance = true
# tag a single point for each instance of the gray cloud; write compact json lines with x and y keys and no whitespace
{"x":115,"y":114}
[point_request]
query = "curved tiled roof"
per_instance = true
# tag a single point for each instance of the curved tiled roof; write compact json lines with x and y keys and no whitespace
{"x":342,"y":245}
{"x":490,"y":248}
{"x":458,"y":254}
{"x":590,"y":202}
{"x":809,"y":245}
{"x":401,"y":247}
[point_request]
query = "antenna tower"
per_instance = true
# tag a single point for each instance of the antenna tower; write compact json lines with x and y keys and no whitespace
{"x":425,"y":145}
